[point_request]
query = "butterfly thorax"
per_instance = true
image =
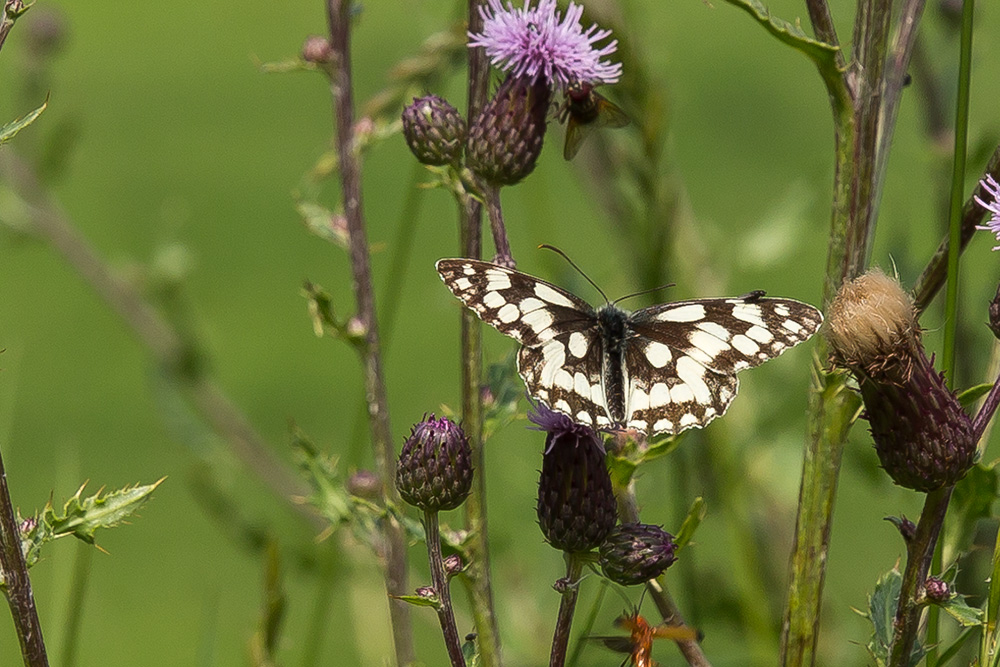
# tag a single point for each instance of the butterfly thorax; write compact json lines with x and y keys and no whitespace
{"x":612,"y":323}
{"x":582,"y":106}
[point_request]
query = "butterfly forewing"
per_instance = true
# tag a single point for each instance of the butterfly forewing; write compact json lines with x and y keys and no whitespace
{"x":659,"y":370}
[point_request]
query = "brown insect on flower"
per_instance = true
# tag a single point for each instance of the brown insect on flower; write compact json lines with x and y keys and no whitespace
{"x":584,"y":110}
{"x":638,"y":644}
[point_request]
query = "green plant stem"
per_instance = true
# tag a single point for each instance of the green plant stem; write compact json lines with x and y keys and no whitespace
{"x":957,"y":188}
{"x":394,"y":546}
{"x":919,"y":551}
{"x":8,"y":15}
{"x":570,"y":589}
{"x":934,"y":274}
{"x":74,"y":615}
{"x":17,"y":584}
{"x":478,"y":569}
{"x":445,"y":611}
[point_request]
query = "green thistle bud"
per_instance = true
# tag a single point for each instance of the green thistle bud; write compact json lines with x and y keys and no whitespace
{"x":506,"y":139}
{"x":923,"y":437}
{"x":636,"y":552}
{"x":435,"y":131}
{"x":576,"y":505}
{"x":434,"y":471}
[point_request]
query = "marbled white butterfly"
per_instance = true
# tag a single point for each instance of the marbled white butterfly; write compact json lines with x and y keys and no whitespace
{"x":661,"y":369}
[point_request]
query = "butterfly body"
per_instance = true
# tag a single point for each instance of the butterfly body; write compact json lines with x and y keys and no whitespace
{"x":585,"y":110}
{"x":661,"y":369}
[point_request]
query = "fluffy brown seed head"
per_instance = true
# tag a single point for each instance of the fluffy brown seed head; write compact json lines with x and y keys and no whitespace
{"x":872,"y":322}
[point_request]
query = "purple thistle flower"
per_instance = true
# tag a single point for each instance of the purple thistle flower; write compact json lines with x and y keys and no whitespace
{"x":535,"y":42}
{"x":558,"y":426}
{"x":993,"y":207}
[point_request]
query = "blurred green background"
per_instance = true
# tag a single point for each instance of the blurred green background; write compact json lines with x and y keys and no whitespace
{"x":180,"y":155}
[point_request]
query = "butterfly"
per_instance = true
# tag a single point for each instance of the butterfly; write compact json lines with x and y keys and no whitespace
{"x":639,"y":642}
{"x":661,"y":369}
{"x":584,"y":110}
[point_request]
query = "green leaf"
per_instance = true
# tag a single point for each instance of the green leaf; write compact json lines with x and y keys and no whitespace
{"x":328,"y":494}
{"x":969,"y":397}
{"x":501,"y":405}
{"x":882,"y":612}
{"x":821,"y":53}
{"x":323,"y":222}
{"x":419,"y":600}
{"x":264,"y":642}
{"x":8,"y":131}
{"x":696,"y":514}
{"x":81,"y":517}
{"x":959,"y":610}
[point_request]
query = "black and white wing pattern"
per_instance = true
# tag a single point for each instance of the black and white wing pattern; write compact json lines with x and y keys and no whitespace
{"x":659,"y":370}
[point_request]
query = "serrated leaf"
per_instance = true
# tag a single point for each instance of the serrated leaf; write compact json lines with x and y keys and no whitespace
{"x":8,"y":131}
{"x":958,"y":609}
{"x":328,"y":494}
{"x":82,"y":517}
{"x":969,"y":397}
{"x":821,"y":53}
{"x":696,"y":514}
{"x":882,"y":613}
{"x":323,"y":222}
{"x":419,"y":600}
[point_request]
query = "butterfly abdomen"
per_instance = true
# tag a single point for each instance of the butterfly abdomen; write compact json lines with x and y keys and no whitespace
{"x":613,"y":326}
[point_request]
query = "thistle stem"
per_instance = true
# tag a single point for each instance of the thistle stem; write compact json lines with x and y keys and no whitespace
{"x":570,"y":589}
{"x":470,"y":226}
{"x":919,"y":552}
{"x":491,"y":191}
{"x":989,"y":407}
{"x":394,"y":546}
{"x":17,"y":585}
{"x":8,"y":15}
{"x":445,"y":611}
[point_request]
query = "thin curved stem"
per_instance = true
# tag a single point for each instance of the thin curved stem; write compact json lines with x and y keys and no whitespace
{"x":445,"y":611}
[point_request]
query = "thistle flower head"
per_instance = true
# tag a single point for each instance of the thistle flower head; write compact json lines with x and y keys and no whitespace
{"x":923,"y":437}
{"x":434,"y":471}
{"x":576,"y":504}
{"x":992,"y":204}
{"x":537,"y":42}
{"x":435,"y":131}
{"x":636,"y":552}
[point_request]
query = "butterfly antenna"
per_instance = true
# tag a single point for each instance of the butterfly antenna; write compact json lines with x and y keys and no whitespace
{"x":578,"y":269}
{"x":645,"y":291}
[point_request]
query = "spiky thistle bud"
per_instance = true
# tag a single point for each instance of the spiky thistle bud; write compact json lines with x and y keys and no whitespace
{"x":434,"y":471}
{"x":923,"y":437}
{"x":364,"y":484}
{"x":435,"y":131}
{"x":636,"y":552}
{"x":576,"y":505}
{"x":937,"y":590}
{"x":506,"y":138}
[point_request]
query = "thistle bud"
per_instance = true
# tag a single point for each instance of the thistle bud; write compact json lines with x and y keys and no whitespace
{"x":923,"y":437}
{"x":435,"y":131}
{"x":636,"y":552}
{"x":434,"y":471}
{"x":937,"y":590}
{"x":576,"y":505}
{"x":317,"y":50}
{"x":505,"y":140}
{"x":364,"y":484}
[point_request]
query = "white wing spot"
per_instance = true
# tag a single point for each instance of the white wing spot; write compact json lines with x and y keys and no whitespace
{"x":602,"y":420}
{"x":546,"y":293}
{"x":538,"y":320}
{"x":693,"y":375}
{"x":715,"y":329}
{"x":584,"y":418}
{"x":578,"y":344}
{"x":708,"y":344}
{"x":791,"y":325}
{"x":530,"y":304}
{"x":492,"y":299}
{"x":663,"y":425}
{"x":563,"y":379}
{"x":659,"y":395}
{"x":689,"y":313}
{"x":745,"y":345}
{"x":760,"y":334}
{"x":749,"y":312}
{"x":639,"y":424}
{"x":709,"y":412}
{"x":658,"y":354}
{"x":497,"y":280}
{"x":597,"y":394}
{"x":508,"y":313}
{"x":554,"y":356}
{"x":681,"y":393}
{"x":638,"y":399}
{"x":562,"y":406}
{"x":468,"y":270}
{"x":463,"y":283}
{"x":781,"y":310}
{"x":689,"y":420}
{"x":581,"y":385}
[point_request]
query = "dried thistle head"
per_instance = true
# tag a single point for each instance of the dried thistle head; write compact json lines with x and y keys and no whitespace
{"x":923,"y":437}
